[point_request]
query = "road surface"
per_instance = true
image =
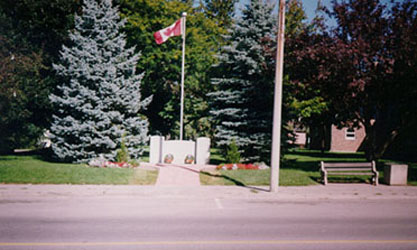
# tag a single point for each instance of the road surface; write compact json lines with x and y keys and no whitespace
{"x":62,"y":220}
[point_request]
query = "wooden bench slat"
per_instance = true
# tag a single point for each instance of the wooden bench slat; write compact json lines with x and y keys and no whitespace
{"x":350,"y":173}
{"x":349,"y":169}
{"x":348,"y":164}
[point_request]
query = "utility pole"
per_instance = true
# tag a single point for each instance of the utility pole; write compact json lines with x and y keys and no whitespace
{"x":276,"y":130}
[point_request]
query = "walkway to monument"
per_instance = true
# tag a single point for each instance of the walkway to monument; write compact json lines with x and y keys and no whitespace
{"x":179,"y":175}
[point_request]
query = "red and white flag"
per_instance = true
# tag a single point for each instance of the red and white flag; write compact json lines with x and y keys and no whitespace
{"x":174,"y":30}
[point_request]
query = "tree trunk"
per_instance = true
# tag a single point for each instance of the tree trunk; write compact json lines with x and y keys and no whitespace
{"x":384,"y":144}
{"x":370,"y":140}
{"x":323,"y":139}
{"x":375,"y":146}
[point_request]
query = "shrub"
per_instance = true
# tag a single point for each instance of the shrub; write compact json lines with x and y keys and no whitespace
{"x":233,"y":154}
{"x":122,"y":154}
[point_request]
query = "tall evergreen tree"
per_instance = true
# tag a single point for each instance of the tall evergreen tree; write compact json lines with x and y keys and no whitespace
{"x":99,"y":98}
{"x":243,"y":100}
{"x":221,"y":10}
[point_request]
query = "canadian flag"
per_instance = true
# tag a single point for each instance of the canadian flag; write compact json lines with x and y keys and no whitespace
{"x":174,"y":30}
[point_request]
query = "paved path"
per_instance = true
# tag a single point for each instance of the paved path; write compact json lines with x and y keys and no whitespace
{"x":179,"y":175}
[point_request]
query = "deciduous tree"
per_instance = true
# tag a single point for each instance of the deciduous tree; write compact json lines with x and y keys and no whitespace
{"x":31,"y":33}
{"x":162,"y":63}
{"x":365,"y":69}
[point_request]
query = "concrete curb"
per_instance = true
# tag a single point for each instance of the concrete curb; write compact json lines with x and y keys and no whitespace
{"x":299,"y":193}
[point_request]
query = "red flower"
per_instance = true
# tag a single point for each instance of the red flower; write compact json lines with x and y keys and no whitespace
{"x":242,"y":166}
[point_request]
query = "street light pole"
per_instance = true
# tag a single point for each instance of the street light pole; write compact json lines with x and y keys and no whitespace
{"x":276,"y":130}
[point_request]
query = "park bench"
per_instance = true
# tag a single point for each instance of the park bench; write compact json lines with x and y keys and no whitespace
{"x":349,"y":168}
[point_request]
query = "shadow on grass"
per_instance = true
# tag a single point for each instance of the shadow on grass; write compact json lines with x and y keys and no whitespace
{"x":316,"y":179}
{"x":412,"y":172}
{"x":12,"y":156}
{"x":216,"y":161}
{"x":234,"y":181}
{"x":309,"y":166}
{"x":6,"y":158}
{"x":44,"y":154}
{"x":318,"y":154}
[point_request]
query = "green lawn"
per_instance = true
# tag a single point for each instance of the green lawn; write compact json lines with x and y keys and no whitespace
{"x":412,"y":173}
{"x":145,"y":155}
{"x":31,"y":169}
{"x":216,"y":156}
{"x":288,"y":177}
{"x":299,"y":168}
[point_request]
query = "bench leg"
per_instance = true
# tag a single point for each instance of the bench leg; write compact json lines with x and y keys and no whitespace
{"x":324,"y":177}
{"x":376,"y":174}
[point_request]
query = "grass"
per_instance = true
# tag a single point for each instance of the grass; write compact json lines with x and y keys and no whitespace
{"x":299,"y":168}
{"x":412,"y":173}
{"x":288,"y":177}
{"x":216,"y":156}
{"x":31,"y":169}
{"x":145,"y":155}
{"x":293,"y":173}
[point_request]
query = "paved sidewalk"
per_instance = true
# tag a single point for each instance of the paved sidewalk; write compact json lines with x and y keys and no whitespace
{"x":297,"y":194}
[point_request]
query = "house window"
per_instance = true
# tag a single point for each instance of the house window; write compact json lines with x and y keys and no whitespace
{"x":350,"y":134}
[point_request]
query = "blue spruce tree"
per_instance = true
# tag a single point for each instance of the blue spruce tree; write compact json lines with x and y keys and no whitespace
{"x":243,"y":100}
{"x":98,"y":101}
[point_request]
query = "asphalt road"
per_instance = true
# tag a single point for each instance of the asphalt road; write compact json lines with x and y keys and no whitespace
{"x":123,"y":221}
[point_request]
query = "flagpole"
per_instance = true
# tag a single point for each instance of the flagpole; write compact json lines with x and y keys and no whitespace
{"x":184,"y":15}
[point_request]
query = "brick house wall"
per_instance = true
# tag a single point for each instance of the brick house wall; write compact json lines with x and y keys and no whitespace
{"x":300,"y":139}
{"x":345,"y":139}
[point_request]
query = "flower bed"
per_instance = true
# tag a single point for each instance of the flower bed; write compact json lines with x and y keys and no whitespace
{"x":102,"y":163}
{"x":235,"y":166}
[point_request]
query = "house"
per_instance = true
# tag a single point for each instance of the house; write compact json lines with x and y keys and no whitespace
{"x":331,"y":138}
{"x":298,"y":137}
{"x":346,"y":139}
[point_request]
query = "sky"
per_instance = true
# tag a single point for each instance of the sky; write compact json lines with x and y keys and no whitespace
{"x":309,"y":7}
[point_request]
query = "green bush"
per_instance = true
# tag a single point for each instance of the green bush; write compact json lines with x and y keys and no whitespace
{"x":232,"y":153}
{"x":122,"y":154}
